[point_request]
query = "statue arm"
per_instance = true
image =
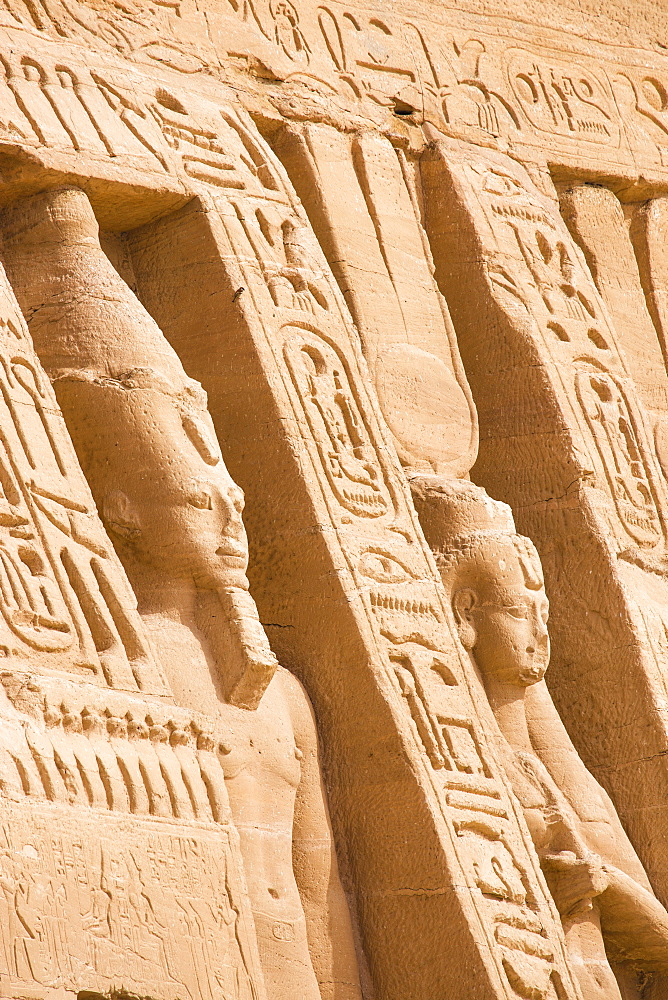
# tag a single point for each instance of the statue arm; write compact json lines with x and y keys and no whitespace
{"x":634,"y":922}
{"x":328,"y":922}
{"x":601,"y":826}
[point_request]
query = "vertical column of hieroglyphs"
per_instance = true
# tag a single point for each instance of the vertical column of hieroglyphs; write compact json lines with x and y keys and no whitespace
{"x":646,"y":232}
{"x":66,"y":605}
{"x":343,"y":578}
{"x":566,"y":440}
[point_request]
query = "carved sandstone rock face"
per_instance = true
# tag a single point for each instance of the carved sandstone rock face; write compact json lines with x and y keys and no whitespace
{"x":280,"y":283}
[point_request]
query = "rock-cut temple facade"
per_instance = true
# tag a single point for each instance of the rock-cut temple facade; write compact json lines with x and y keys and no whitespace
{"x":333,"y":500}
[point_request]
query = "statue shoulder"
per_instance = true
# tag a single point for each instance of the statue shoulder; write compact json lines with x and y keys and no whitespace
{"x":299,"y":707}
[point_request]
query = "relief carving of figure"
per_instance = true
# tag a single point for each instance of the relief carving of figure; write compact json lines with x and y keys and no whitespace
{"x":147,"y":446}
{"x":493,"y":576}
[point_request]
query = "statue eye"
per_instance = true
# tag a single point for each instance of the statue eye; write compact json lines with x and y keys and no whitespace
{"x":518,"y":611}
{"x":201,"y":499}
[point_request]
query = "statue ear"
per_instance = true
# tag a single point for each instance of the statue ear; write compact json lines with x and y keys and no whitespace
{"x":463,"y":603}
{"x":120,"y":515}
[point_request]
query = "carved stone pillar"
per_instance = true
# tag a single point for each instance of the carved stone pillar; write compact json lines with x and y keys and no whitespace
{"x":565,"y":439}
{"x":362,"y":198}
{"x":597,"y":223}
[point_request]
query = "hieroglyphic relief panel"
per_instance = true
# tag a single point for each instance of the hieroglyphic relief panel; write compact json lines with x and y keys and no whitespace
{"x":67,"y":744}
{"x":48,"y":104}
{"x":150,"y":906}
{"x":282,"y":290}
{"x":120,"y":866}
{"x":66,"y":604}
{"x":563,"y":100}
{"x":467,"y":79}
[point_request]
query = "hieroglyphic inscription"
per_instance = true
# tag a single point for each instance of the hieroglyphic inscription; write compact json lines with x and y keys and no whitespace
{"x":468,"y":82}
{"x":563,"y":99}
{"x":63,"y":590}
{"x":337,"y":425}
{"x":608,"y":414}
{"x":481,"y":818}
{"x":156,"y":907}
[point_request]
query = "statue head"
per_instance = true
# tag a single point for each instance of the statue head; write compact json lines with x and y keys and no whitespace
{"x":164,"y":493}
{"x":493,"y":577}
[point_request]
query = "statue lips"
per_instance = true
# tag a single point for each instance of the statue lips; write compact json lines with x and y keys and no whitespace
{"x":234,"y":552}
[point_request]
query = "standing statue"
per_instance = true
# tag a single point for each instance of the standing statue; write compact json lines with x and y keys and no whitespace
{"x":494,"y":580}
{"x":147,"y":446}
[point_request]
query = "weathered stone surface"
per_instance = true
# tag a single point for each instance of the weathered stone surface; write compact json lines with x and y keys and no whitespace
{"x":295,"y":299}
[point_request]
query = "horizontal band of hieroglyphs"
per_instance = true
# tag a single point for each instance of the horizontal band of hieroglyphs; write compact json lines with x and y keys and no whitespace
{"x":471,"y":85}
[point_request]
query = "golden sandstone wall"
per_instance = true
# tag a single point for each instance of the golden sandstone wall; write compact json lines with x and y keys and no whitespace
{"x":396,"y":279}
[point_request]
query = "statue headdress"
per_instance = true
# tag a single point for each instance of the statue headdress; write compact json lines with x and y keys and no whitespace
{"x":460,"y":521}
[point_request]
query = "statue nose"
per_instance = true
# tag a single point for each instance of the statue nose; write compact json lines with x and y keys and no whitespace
{"x":232,"y":498}
{"x":237,"y":499}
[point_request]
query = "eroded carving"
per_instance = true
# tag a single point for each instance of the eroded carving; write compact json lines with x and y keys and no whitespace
{"x":168,"y":913}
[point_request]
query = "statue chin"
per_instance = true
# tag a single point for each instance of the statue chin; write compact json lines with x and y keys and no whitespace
{"x":532,"y":675}
{"x":229,"y":574}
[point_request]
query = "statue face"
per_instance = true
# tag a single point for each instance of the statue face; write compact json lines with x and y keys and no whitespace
{"x":194,"y":529}
{"x":175,"y":504}
{"x":503,"y":621}
{"x":202,"y":532}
